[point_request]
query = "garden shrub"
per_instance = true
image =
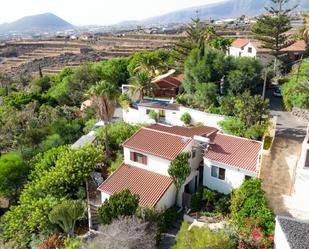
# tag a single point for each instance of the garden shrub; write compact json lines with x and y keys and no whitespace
{"x":119,"y":204}
{"x":186,"y":118}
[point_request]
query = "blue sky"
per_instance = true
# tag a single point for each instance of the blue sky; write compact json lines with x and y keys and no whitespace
{"x":84,"y":12}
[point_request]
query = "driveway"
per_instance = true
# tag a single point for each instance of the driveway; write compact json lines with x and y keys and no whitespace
{"x":278,"y":168}
{"x":288,"y":126}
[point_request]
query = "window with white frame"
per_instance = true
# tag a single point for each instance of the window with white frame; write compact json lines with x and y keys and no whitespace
{"x":249,"y":50}
{"x":218,"y":172}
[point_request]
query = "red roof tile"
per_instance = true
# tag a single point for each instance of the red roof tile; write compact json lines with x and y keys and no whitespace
{"x":238,"y":152}
{"x":239,"y":43}
{"x":185,"y":131}
{"x":157,"y":143}
{"x":149,"y":186}
{"x":298,"y":46}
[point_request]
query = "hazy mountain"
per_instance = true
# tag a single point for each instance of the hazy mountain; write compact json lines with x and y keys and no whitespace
{"x":226,"y":9}
{"x":42,"y":22}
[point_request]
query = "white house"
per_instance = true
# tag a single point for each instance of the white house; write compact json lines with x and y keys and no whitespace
{"x":218,"y":161}
{"x":169,"y":114}
{"x":252,"y":48}
{"x":147,"y":157}
{"x":229,"y":160}
{"x":291,"y":233}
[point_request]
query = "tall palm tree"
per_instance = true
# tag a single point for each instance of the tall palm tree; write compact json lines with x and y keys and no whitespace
{"x":306,"y":28}
{"x":141,"y":84}
{"x":104,"y":95}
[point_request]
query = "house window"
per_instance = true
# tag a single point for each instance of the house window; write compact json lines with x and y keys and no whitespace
{"x":193,"y":154}
{"x":249,"y":50}
{"x":248,"y":177}
{"x":218,"y":172}
{"x":138,"y":157}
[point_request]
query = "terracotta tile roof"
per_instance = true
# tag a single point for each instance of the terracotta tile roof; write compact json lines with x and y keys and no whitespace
{"x":185,"y":131}
{"x":238,"y":152}
{"x":149,"y":186}
{"x":179,"y":77}
{"x":298,"y":46}
{"x":157,"y":143}
{"x":239,"y":43}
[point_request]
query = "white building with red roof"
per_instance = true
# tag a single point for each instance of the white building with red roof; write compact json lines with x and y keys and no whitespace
{"x":253,"y":48}
{"x":218,"y":161}
{"x":229,"y":160}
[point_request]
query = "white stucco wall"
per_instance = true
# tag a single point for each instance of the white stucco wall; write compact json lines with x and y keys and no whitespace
{"x":104,"y":196}
{"x":167,"y":199}
{"x":234,"y":51}
{"x":280,"y":240}
{"x":154,"y":163}
{"x":246,"y":53}
{"x":172,"y":117}
{"x":207,"y":119}
{"x":234,"y":177}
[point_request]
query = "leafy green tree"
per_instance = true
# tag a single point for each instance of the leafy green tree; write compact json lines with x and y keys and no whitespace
{"x":206,"y":94}
{"x":249,"y":202}
{"x":58,"y":174}
{"x":113,"y":70}
{"x":201,"y":238}
{"x":66,"y":214}
{"x":104,"y":95}
{"x":271,"y":29}
{"x":118,"y":132}
{"x":207,"y":68}
{"x":152,"y":62}
{"x":186,"y":118}
{"x":251,"y":110}
{"x":295,"y":91}
{"x":13,"y":174}
{"x":119,"y":204}
{"x":141,"y":84}
{"x":179,"y":170}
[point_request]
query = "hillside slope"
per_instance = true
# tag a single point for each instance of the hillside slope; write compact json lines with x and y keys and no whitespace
{"x":226,"y":9}
{"x":42,"y":22}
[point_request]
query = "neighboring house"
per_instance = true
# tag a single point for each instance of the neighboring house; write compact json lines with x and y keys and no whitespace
{"x":253,"y":48}
{"x":167,"y":85}
{"x":291,"y":233}
{"x":168,"y":114}
{"x":149,"y":153}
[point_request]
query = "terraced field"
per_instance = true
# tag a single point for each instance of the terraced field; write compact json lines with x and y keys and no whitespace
{"x":53,"y":55}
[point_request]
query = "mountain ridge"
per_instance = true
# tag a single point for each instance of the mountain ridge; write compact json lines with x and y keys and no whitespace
{"x":225,"y":9}
{"x":41,"y":22}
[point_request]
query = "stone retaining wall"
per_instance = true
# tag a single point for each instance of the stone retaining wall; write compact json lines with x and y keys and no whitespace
{"x":301,"y":113}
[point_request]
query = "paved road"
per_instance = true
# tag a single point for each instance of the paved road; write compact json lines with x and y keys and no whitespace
{"x":287,"y":125}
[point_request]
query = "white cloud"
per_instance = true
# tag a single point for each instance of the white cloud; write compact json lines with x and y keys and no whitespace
{"x":81,"y":12}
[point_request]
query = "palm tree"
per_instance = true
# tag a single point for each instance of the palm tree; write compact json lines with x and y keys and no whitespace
{"x":141,"y":84}
{"x":306,"y":28}
{"x":148,"y":64}
{"x":104,"y":95}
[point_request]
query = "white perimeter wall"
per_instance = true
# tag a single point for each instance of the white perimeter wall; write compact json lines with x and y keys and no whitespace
{"x":280,"y":240}
{"x":172,"y":117}
{"x":233,"y":177}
